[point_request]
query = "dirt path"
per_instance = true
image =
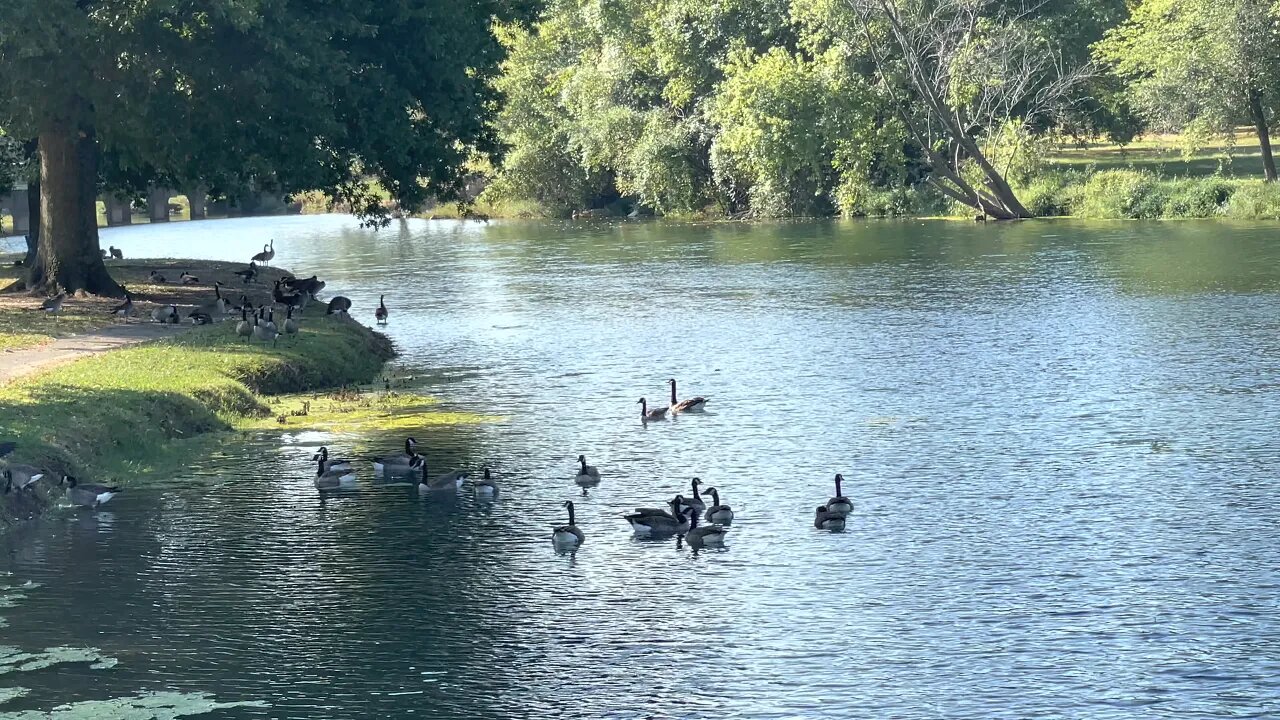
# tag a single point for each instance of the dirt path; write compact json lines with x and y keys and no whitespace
{"x":20,"y":363}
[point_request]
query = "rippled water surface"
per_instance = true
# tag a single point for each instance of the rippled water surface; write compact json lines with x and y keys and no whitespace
{"x":1061,"y":441}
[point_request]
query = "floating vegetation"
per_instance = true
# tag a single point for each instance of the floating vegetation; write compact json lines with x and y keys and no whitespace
{"x":14,"y":660}
{"x":11,"y":693}
{"x":347,"y":411}
{"x":144,"y":706}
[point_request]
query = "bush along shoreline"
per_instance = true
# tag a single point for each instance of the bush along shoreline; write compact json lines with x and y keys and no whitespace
{"x":107,"y":417}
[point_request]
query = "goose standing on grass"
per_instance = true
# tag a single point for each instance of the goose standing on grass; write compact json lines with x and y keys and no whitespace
{"x":653,"y":521}
{"x":267,"y":255}
{"x":705,"y":535}
{"x":568,"y":535}
{"x":244,"y":328}
{"x":339,"y":305}
{"x":124,"y":309}
{"x":53,"y":305}
{"x":165,"y":314}
{"x":265,"y":330}
{"x":717,"y":513}
{"x":333,"y":478}
{"x":588,"y":475}
{"x":156,"y":278}
{"x":248,"y":273}
{"x":116,"y":253}
{"x":839,"y":505}
{"x":646,"y":414}
{"x":451,"y":480}
{"x":87,"y":495}
{"x":824,"y":519}
{"x":330,"y":464}
{"x":693,"y":404}
{"x":381,"y":313}
{"x":290,"y":325}
{"x":187,"y":278}
{"x":398,"y":463}
{"x":200,"y":318}
{"x":219,"y":302}
{"x":486,"y":487}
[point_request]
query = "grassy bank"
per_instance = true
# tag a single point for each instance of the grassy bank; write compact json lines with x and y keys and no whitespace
{"x":108,"y":417}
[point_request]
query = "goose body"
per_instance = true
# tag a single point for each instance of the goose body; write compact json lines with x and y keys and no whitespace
{"x":588,"y":475}
{"x":646,"y":414}
{"x":333,"y":478}
{"x":53,"y":305}
{"x":165,"y":314}
{"x":381,"y":313}
{"x":87,"y":495}
{"x":696,"y":502}
{"x":486,"y":487}
{"x":157,"y":278}
{"x":839,"y":505}
{"x":290,"y":325}
{"x":221,"y":304}
{"x":187,"y":278}
{"x":398,"y":463}
{"x":717,"y":513}
{"x":264,"y":330}
{"x":124,"y":309}
{"x":339,"y":305}
{"x":824,"y":519}
{"x":693,"y":404}
{"x":22,"y":476}
{"x":200,"y":318}
{"x":248,"y":273}
{"x":654,"y":521}
{"x":699,"y":536}
{"x":451,"y":480}
{"x":116,"y":253}
{"x":330,"y":463}
{"x":267,"y":254}
{"x":244,"y":328}
{"x":568,"y":535}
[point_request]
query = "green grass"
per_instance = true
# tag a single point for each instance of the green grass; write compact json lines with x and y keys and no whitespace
{"x":112,"y":416}
{"x":1164,"y":155}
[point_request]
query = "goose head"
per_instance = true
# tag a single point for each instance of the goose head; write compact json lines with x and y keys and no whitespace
{"x":409,"y":445}
{"x":715,"y":495}
{"x":695,"y":483}
{"x":321,"y":454}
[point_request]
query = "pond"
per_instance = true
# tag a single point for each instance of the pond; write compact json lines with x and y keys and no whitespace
{"x":1060,"y":439}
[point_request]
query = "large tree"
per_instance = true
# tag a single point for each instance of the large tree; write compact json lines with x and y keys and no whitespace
{"x":1202,"y":66}
{"x":309,"y":93}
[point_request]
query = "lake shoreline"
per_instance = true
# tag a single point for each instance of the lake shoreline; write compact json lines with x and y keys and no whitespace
{"x":115,"y":414}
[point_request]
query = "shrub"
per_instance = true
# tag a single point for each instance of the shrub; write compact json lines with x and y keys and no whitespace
{"x":1198,"y":198}
{"x":1049,"y":195}
{"x":1120,"y":194}
{"x":1255,"y":200}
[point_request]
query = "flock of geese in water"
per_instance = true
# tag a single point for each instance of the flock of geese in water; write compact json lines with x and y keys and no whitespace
{"x":681,"y":516}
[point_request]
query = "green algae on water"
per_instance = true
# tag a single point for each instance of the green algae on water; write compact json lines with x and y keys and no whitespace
{"x":11,"y":693}
{"x":143,"y":706}
{"x":14,"y":660}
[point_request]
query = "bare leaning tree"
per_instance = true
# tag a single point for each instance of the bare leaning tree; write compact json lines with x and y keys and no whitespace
{"x":971,"y":81}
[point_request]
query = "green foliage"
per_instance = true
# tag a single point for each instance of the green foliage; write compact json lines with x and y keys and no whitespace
{"x":1199,"y":197}
{"x":1121,"y":194}
{"x":1052,"y":194}
{"x":1255,"y":200}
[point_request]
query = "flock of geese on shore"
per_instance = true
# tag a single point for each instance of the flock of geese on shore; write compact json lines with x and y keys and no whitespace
{"x":680,"y":516}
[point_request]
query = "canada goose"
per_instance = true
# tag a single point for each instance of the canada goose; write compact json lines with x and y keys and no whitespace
{"x":200,"y":318}
{"x":696,"y":502}
{"x":290,"y":325}
{"x":839,"y":505}
{"x":588,"y":475}
{"x":165,"y":314}
{"x":693,"y":404}
{"x":53,"y":305}
{"x":705,"y":535}
{"x":824,"y":519}
{"x":398,"y":463}
{"x":323,"y":456}
{"x":339,"y":305}
{"x":265,"y":330}
{"x":156,"y":278}
{"x":271,"y":319}
{"x":717,"y":513}
{"x":244,"y":328}
{"x":646,"y":414}
{"x":266,"y":255}
{"x":187,"y":278}
{"x":221,"y":303}
{"x":381,"y":313}
{"x":125,"y":308}
{"x":653,"y":521}
{"x":451,"y":480}
{"x":297,"y":299}
{"x":248,"y":273}
{"x":88,"y":495}
{"x":23,"y":476}
{"x":486,"y":486}
{"x":310,"y":285}
{"x":568,"y":534}
{"x":116,"y":253}
{"x":334,"y":478}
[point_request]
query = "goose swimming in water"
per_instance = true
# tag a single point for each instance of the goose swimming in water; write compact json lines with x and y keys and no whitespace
{"x":696,"y":502}
{"x":568,"y":535}
{"x":655,"y":521}
{"x":332,"y":464}
{"x":705,"y":535}
{"x":333,"y":478}
{"x":646,"y":414}
{"x":588,"y":475}
{"x":87,"y":495}
{"x":693,"y":404}
{"x":824,"y":519}
{"x":398,"y":463}
{"x":451,"y":480}
{"x":486,"y":487}
{"x":717,"y":513}
{"x":839,"y":505}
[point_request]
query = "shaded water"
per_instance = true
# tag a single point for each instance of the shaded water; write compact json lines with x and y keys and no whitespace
{"x":1060,"y":438}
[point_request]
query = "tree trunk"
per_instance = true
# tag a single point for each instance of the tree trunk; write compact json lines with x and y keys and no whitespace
{"x":69,"y":258}
{"x":1264,"y":134}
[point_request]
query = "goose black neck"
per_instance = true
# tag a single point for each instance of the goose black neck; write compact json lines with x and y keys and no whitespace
{"x":673,"y":391}
{"x":838,"y":492}
{"x":583,"y":459}
{"x":570,"y":507}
